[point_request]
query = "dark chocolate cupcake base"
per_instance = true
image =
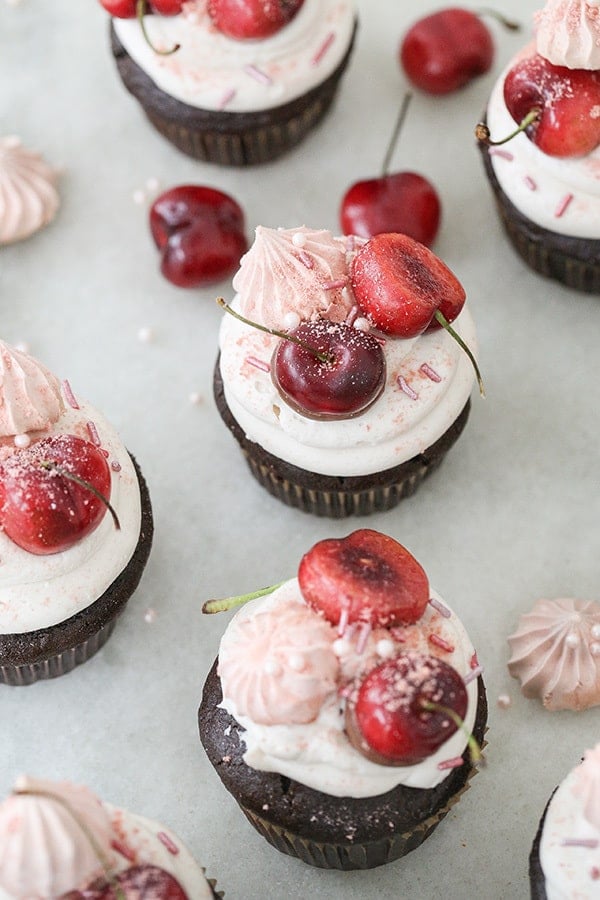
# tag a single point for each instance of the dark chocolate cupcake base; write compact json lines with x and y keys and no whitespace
{"x":337,"y":496}
{"x":50,"y":652}
{"x":228,"y":138}
{"x":537,"y":879}
{"x":328,"y":832}
{"x":572,"y":261}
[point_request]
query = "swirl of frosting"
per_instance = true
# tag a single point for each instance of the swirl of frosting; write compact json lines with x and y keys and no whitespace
{"x":556,"y":653}
{"x":28,"y":196}
{"x":30,"y":395}
{"x":587,"y":785}
{"x":568,"y":33}
{"x":278,"y":666}
{"x":289,"y":275}
{"x":45,"y":846}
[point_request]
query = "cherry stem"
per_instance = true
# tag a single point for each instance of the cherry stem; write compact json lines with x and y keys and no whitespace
{"x":215,"y":606}
{"x":474,"y":748}
{"x":50,"y":466}
{"x":441,"y":318}
{"x":397,"y":129}
{"x":322,"y":357}
{"x":482,"y":132}
{"x":141,"y":8}
{"x":102,"y":859}
{"x":509,"y":24}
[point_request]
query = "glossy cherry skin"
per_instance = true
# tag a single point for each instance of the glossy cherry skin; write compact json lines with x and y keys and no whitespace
{"x":142,"y":882}
{"x":445,"y":50}
{"x":200,"y":233}
{"x":388,"y":723}
{"x":366,"y":576}
{"x":344,"y":386}
{"x":167,"y":7}
{"x":252,"y":19}
{"x":120,"y":9}
{"x":400,"y":284}
{"x":568,"y":100}
{"x":42,"y":510}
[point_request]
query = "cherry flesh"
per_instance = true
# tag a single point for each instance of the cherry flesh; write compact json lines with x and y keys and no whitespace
{"x":444,"y":51}
{"x":567,"y":100}
{"x":390,"y":721}
{"x":252,"y":19}
{"x":42,"y":510}
{"x":343,"y":384}
{"x":143,"y":882}
{"x":400,"y":285}
{"x":200,"y":233}
{"x":364,"y":577}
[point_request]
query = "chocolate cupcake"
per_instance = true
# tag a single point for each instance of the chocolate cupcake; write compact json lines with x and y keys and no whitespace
{"x":335,"y":464}
{"x":76,"y":524}
{"x":59,"y":840}
{"x":545,"y":180}
{"x":290,"y":712}
{"x":233,"y":101}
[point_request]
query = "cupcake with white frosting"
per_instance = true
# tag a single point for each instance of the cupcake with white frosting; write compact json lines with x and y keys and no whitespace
{"x":76,"y":523}
{"x":59,"y":840}
{"x":546,"y":185}
{"x":236,"y":100}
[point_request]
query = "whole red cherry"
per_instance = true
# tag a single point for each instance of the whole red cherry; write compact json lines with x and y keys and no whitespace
{"x":200,"y":233}
{"x":120,"y":9}
{"x":141,"y":882}
{"x":252,"y":19}
{"x":42,"y":508}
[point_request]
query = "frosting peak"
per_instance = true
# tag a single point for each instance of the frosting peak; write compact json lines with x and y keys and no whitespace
{"x":30,"y":397}
{"x":28,"y":195}
{"x":587,"y":785}
{"x":294,"y":274}
{"x":556,"y":653}
{"x":568,"y":33}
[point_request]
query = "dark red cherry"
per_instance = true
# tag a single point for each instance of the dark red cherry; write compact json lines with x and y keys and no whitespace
{"x":120,"y":9}
{"x":252,"y":19}
{"x":142,"y":882}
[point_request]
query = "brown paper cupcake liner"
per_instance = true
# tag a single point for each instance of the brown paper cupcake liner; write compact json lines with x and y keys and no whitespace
{"x":335,"y":496}
{"x":228,"y":138}
{"x":572,"y":261}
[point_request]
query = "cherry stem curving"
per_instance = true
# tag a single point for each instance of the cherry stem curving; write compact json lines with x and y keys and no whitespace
{"x":443,"y":321}
{"x":482,"y":132}
{"x":509,"y":24}
{"x":141,"y":9}
{"x":474,"y":748}
{"x":394,"y":138}
{"x":215,"y":606}
{"x":50,"y":466}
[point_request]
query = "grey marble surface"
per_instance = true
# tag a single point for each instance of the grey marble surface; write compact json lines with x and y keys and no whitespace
{"x":511,"y":516}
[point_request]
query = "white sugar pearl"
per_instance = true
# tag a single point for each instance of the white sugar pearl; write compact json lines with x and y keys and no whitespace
{"x":296,"y":662}
{"x":595,"y":648}
{"x":272,"y":667}
{"x":385,"y":648}
{"x":362,"y":324}
{"x":291,"y":320}
{"x":503,"y":701}
{"x":572,"y":640}
{"x":299,"y":239}
{"x":195,"y":398}
{"x":21,"y":440}
{"x":340,"y":646}
{"x":138,"y":197}
{"x":596,"y":631}
{"x":152,"y":184}
{"x":146,"y":335}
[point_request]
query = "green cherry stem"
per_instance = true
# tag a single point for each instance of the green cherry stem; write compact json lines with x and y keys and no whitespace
{"x":141,"y":9}
{"x":322,"y":357}
{"x":474,"y":748}
{"x":394,"y":138}
{"x":482,"y":132}
{"x":50,"y":466}
{"x":441,"y":318}
{"x":509,"y":24}
{"x":215,"y":606}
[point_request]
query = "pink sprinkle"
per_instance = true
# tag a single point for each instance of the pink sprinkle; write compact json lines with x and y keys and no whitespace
{"x":379,"y":338}
{"x":258,"y":363}
{"x":363,"y":637}
{"x":104,"y":453}
{"x":503,"y":154}
{"x":305,"y":259}
{"x":69,"y":395}
{"x":343,"y":623}
{"x":450,"y":763}
{"x":351,"y":317}
{"x":166,"y":840}
{"x":334,"y":285}
{"x":530,"y":183}
{"x":431,"y":373}
{"x":438,"y":641}
{"x":257,"y":74}
{"x":93,"y":433}
{"x":124,"y":850}
{"x":226,"y":98}
{"x":562,"y":206}
{"x":115,"y":466}
{"x":406,"y":388}
{"x":398,"y":635}
{"x":323,"y":49}
{"x":589,"y":843}
{"x":345,"y":691}
{"x":474,"y":662}
{"x":443,"y":610}
{"x":473,"y":674}
{"x":594,"y":873}
{"x":350,"y":243}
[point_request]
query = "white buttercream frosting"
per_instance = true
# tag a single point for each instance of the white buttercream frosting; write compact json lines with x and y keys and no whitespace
{"x":318,"y":753}
{"x":570,"y":842}
{"x":40,"y":591}
{"x":45,"y":853}
{"x":215,"y":72}
{"x":30,"y":397}
{"x":568,"y":33}
{"x":28,"y":196}
{"x":561,"y":195}
{"x":398,"y":426}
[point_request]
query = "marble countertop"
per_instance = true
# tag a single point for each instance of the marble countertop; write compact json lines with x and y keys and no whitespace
{"x":510,"y":517}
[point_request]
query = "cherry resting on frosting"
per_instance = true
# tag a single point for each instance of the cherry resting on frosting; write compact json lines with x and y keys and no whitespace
{"x":364,"y":577}
{"x":200,"y":233}
{"x":252,"y":19}
{"x":143,"y":882}
{"x":405,"y":709}
{"x":128,"y":9}
{"x":41,"y":508}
